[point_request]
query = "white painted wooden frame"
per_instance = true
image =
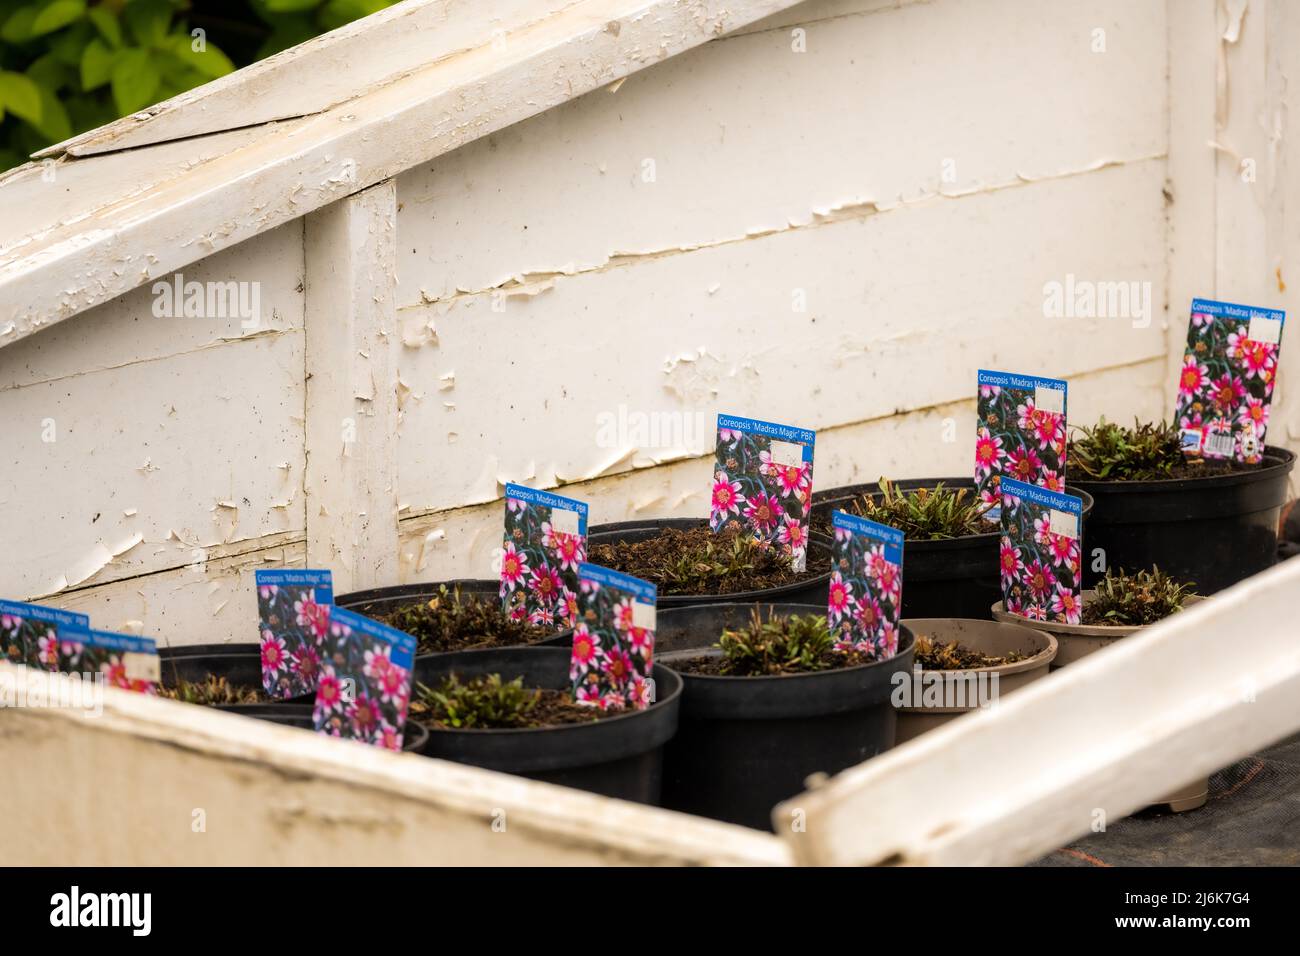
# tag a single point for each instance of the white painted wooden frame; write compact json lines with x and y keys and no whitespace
{"x":351,"y":416}
{"x":151,"y":781}
{"x":1090,"y":744}
{"x":292,"y":168}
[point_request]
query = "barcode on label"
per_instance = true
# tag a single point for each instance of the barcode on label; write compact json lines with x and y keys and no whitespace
{"x":1219,"y":444}
{"x":1264,"y":329}
{"x":1064,"y":524}
{"x":643,"y":615}
{"x":1049,"y":399}
{"x":786,"y":453}
{"x":140,"y":666}
{"x":565,"y":522}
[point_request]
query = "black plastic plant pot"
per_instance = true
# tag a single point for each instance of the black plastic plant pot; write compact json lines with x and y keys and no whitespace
{"x":239,"y":664}
{"x":620,"y":756}
{"x":744,"y":744}
{"x":812,"y":588}
{"x":379,"y":601}
{"x":414,"y":735}
{"x":1213,"y":531}
{"x":957,"y":577}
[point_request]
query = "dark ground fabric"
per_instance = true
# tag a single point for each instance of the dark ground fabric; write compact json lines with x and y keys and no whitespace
{"x":1252,"y":818}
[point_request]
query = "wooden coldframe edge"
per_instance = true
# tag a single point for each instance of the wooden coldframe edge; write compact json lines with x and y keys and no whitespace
{"x":305,"y":797}
{"x":1089,"y":744}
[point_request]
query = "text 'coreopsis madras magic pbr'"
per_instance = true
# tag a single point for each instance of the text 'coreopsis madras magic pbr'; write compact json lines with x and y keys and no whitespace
{"x":545,"y":542}
{"x":125,"y":660}
{"x":32,"y":634}
{"x":1225,"y":386}
{"x":1040,"y":554}
{"x":866,"y":590}
{"x":1020,"y":433}
{"x":293,"y":615}
{"x":762,"y":481}
{"x":55,"y":640}
{"x":613,"y":640}
{"x":365,"y":680}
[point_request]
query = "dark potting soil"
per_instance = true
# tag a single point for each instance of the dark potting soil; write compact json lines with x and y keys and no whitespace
{"x":456,"y":622}
{"x":701,"y":561}
{"x":716,"y":666}
{"x":554,"y":708}
{"x":1192,"y":468}
{"x":932,"y":655}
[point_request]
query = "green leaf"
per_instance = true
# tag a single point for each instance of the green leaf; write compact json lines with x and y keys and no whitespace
{"x":290,"y":6}
{"x":210,"y":62}
{"x":336,"y":13}
{"x":287,"y":32}
{"x":96,"y":64}
{"x":148,"y":21}
{"x":54,"y":124}
{"x":107,"y":25}
{"x":18,"y":28}
{"x":48,"y":73}
{"x":68,"y":44}
{"x":21,"y":97}
{"x":135,"y":80}
{"x":57,"y":14}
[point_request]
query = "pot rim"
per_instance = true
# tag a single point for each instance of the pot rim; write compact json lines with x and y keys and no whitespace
{"x":1085,"y":630}
{"x":770,"y":595}
{"x":1045,"y":656}
{"x":673,"y":695}
{"x":906,"y":643}
{"x":941,"y":544}
{"x":1283,"y":460}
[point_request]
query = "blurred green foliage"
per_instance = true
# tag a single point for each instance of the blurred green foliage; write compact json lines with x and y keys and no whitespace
{"x":67,"y":66}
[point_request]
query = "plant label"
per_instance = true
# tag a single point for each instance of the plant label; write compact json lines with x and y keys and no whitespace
{"x":866,"y":590}
{"x":365,"y":680}
{"x":1020,"y":433}
{"x":293,"y":615}
{"x":1225,"y":387}
{"x":762,"y":482}
{"x":125,"y":660}
{"x":545,"y":542}
{"x":32,"y":634}
{"x":613,"y":640}
{"x":1040,"y":552}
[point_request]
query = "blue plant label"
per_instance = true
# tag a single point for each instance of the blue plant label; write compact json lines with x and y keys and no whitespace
{"x":365,"y":683}
{"x":126,"y":660}
{"x":1225,"y":387}
{"x":31,"y":634}
{"x":545,"y":542}
{"x":762,"y":482}
{"x":1041,"y":552}
{"x":1020,"y":433}
{"x":865,"y":597}
{"x":613,"y":640}
{"x":293,"y":616}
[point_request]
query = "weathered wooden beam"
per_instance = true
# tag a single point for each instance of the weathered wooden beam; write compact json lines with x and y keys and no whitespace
{"x":115,"y":242}
{"x":1090,"y":744}
{"x":149,"y":781}
{"x":351,"y":413}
